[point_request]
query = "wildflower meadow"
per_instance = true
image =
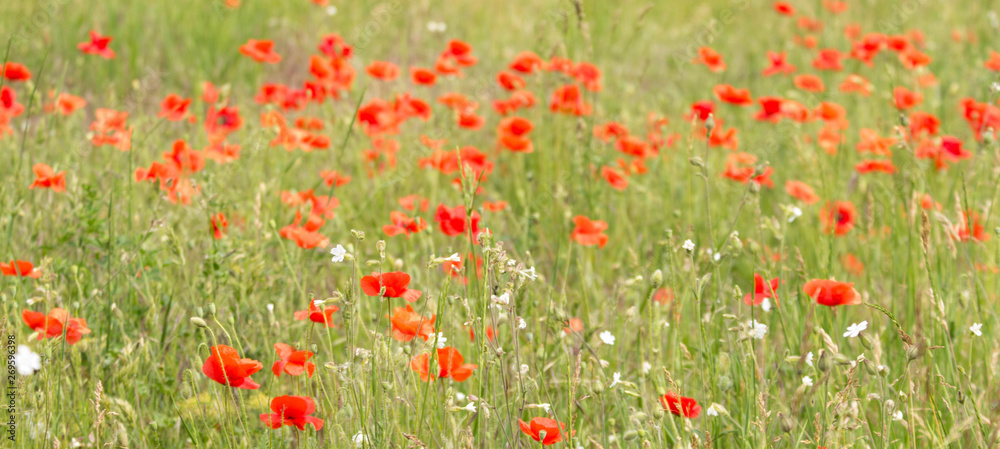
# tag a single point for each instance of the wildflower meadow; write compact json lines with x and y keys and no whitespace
{"x":474,"y":224}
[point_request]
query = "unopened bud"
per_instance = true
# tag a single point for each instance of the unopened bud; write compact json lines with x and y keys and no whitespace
{"x":358,"y":235}
{"x":697,"y":162}
{"x":630,"y":435}
{"x":380,"y":246}
{"x":210,"y":310}
{"x":710,"y":124}
{"x":866,"y":340}
{"x":198,"y":322}
{"x":912,"y":352}
{"x":656,"y":279}
{"x":786,"y":422}
{"x":823,"y":364}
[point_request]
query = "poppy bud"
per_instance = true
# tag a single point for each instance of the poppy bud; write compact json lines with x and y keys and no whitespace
{"x":824,"y":361}
{"x":199,"y":311}
{"x":656,"y":279}
{"x":725,"y":383}
{"x":697,"y":162}
{"x":630,"y":435}
{"x":754,"y":188}
{"x":198,"y":322}
{"x":659,"y":413}
{"x":210,"y":309}
{"x":597,"y":388}
{"x":358,"y":235}
{"x":866,"y":340}
{"x":912,"y":352}
{"x":961,"y":397}
{"x":841,"y":359}
{"x":709,"y":124}
{"x":380,"y":246}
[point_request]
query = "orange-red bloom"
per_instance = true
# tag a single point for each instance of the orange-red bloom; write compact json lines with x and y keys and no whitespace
{"x":292,"y":362}
{"x":453,"y":221}
{"x":732,"y":95}
{"x":680,"y":406}
{"x":832,"y":293}
{"x":383,"y":70}
{"x":219,"y":225}
{"x":422,"y":77}
{"x":451,"y":364}
{"x":98,"y":45}
{"x":588,"y":232}
{"x":227,"y":368}
{"x":970,"y":229}
{"x":316,"y":315}
{"x":801,"y":191}
{"x":15,"y":72}
{"x":407,"y":324}
{"x":174,"y":107}
{"x":762,"y":290}
{"x":710,"y":58}
{"x":47,"y":178}
{"x":544,"y":430}
{"x":19,"y":268}
{"x":905,"y":98}
{"x":260,"y":51}
{"x":401,"y":224}
{"x":292,"y":411}
{"x":51,"y":325}
{"x":394,"y":283}
{"x":838,"y":217}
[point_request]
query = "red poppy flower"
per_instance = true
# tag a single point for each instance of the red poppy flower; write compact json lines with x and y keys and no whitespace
{"x":219,"y":225}
{"x":856,"y":84}
{"x":710,"y":58}
{"x":260,"y":51}
{"x":762,"y":290}
{"x":701,"y":109}
{"x":19,"y":268}
{"x":905,"y":98}
{"x":292,"y":411}
{"x":333,"y":178}
{"x":732,"y":95}
{"x":47,"y":178}
{"x":98,"y":45}
{"x":994,"y":62}
{"x":66,"y":104}
{"x":383,"y":70}
{"x":15,"y":72}
{"x":852,"y":264}
{"x":292,"y":362}
{"x":174,"y":108}
{"x":568,"y":99}
{"x":809,"y":83}
{"x":770,"y":109}
{"x":784,"y":8}
{"x":461,"y":52}
{"x":545,"y":430}
{"x":832,"y":293}
{"x":395,"y":284}
{"x":614,"y":178}
{"x":973,"y":230}
{"x":225,"y":365}
{"x":871,"y":142}
{"x":401,"y":224}
{"x":51,"y":325}
{"x":407,"y":324}
{"x":913,"y":58}
{"x":526,"y":62}
{"x":514,"y":132}
{"x":663,"y":296}
{"x":881,"y":165}
{"x":610,"y":130}
{"x":510,"y":81}
{"x":450,"y":362}
{"x":589,"y":233}
{"x":838,"y":217}
{"x":924,"y":123}
{"x":316,"y":315}
{"x":801,"y":191}
{"x":778,"y":64}
{"x":422,"y":77}
{"x":588,"y":75}
{"x":680,"y":406}
{"x":828,"y":59}
{"x":494,"y":206}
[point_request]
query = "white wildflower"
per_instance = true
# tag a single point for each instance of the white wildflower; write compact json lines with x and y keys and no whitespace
{"x":977,"y":328}
{"x":807,"y":381}
{"x":688,"y":245}
{"x":529,"y":273}
{"x":359,"y":439}
{"x":453,"y":258}
{"x":766,"y":305}
{"x":26,"y":361}
{"x":796,"y":213}
{"x":855,"y":329}
{"x":441,"y":340}
{"x":756,"y":330}
{"x":502,"y":300}
{"x":521,"y":324}
{"x":711,"y":411}
{"x":338,"y":253}
{"x":436,"y":27}
{"x":898,"y":416}
{"x":331,"y":10}
{"x":607,"y":338}
{"x":646,"y":366}
{"x":270,"y":308}
{"x":617,"y":380}
{"x":809,"y":358}
{"x":470,"y":407}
